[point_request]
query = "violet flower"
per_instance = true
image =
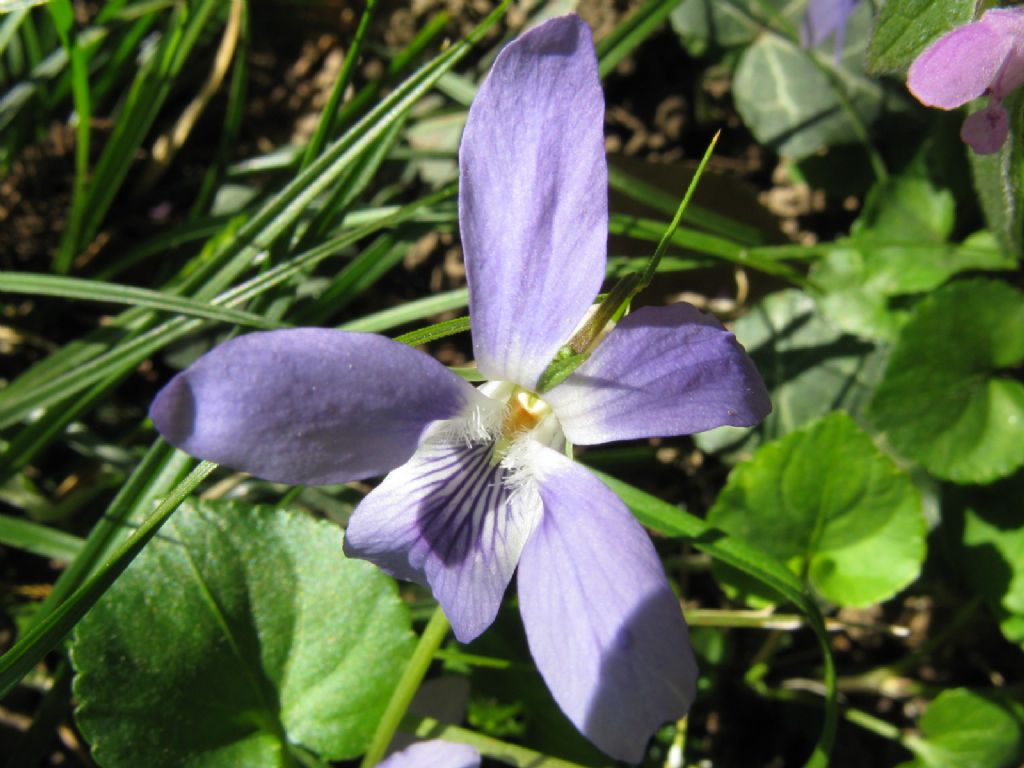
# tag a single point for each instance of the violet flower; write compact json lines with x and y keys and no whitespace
{"x":433,"y":754}
{"x":824,"y":18}
{"x":985,"y":56}
{"x":482,"y":483}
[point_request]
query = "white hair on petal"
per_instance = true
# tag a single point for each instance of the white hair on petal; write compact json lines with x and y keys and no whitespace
{"x":520,"y":467}
{"x":525,"y":460}
{"x":480,"y":422}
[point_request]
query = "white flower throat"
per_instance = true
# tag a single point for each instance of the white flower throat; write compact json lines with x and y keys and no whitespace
{"x":511,"y":416}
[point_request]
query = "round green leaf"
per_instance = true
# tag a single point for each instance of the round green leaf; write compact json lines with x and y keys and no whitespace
{"x":829,"y":504}
{"x":941,"y":401}
{"x":701,"y":25}
{"x":237,"y":633}
{"x":810,"y":367}
{"x":985,"y":532}
{"x":968,"y":729}
{"x":791,"y":105}
{"x":859,"y":279}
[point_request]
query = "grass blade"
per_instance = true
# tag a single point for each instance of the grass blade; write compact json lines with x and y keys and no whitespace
{"x":47,"y":633}
{"x":38,"y":539}
{"x":93,"y":290}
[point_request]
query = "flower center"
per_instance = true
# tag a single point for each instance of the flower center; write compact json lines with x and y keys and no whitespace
{"x":524,"y":411}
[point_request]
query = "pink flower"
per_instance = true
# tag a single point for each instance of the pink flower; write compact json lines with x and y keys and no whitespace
{"x":985,"y":56}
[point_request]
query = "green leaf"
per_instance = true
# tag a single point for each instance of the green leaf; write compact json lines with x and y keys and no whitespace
{"x":810,"y":367}
{"x":831,"y":526}
{"x":702,"y":24}
{"x":787,"y":96}
{"x":907,"y":208}
{"x":857,"y":283}
{"x":906,"y":27}
{"x":942,"y":401}
{"x":898,"y":246}
{"x":985,"y":533}
{"x":240,"y":632}
{"x":999,"y":179}
{"x":968,"y":729}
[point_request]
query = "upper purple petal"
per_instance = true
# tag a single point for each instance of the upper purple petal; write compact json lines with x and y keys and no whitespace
{"x":434,"y":754}
{"x":960,"y":66}
{"x":1010,"y":23}
{"x":309,"y":406}
{"x":822,"y":18}
{"x":533,"y":199}
{"x":662,"y":371}
{"x":604,"y":628}
{"x":447,"y":519}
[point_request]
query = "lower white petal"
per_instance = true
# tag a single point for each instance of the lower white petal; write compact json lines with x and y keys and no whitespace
{"x":450,"y":519}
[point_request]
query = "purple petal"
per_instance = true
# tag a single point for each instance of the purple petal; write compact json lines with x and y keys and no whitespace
{"x":822,"y":18}
{"x":434,"y":754}
{"x":662,"y":371}
{"x":447,"y":519}
{"x":604,"y":628}
{"x":959,"y":66}
{"x":533,"y":200}
{"x":308,"y":406}
{"x":986,"y":130}
{"x":1010,"y":23}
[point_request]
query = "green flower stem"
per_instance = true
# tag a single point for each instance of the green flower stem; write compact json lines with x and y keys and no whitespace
{"x":434,"y":633}
{"x":871,"y":723}
{"x":785,"y":622}
{"x":510,"y":754}
{"x":856,"y":716}
{"x":652,"y":265}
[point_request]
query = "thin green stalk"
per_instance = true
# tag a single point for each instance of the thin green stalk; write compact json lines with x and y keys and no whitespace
{"x":634,"y":30}
{"x":652,"y":266}
{"x":434,"y":27}
{"x":858,"y":717}
{"x":871,"y":723}
{"x":434,"y":332}
{"x":95,"y":290}
{"x":434,"y":633}
{"x":64,"y":21}
{"x":325,"y":127}
{"x":616,"y":301}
